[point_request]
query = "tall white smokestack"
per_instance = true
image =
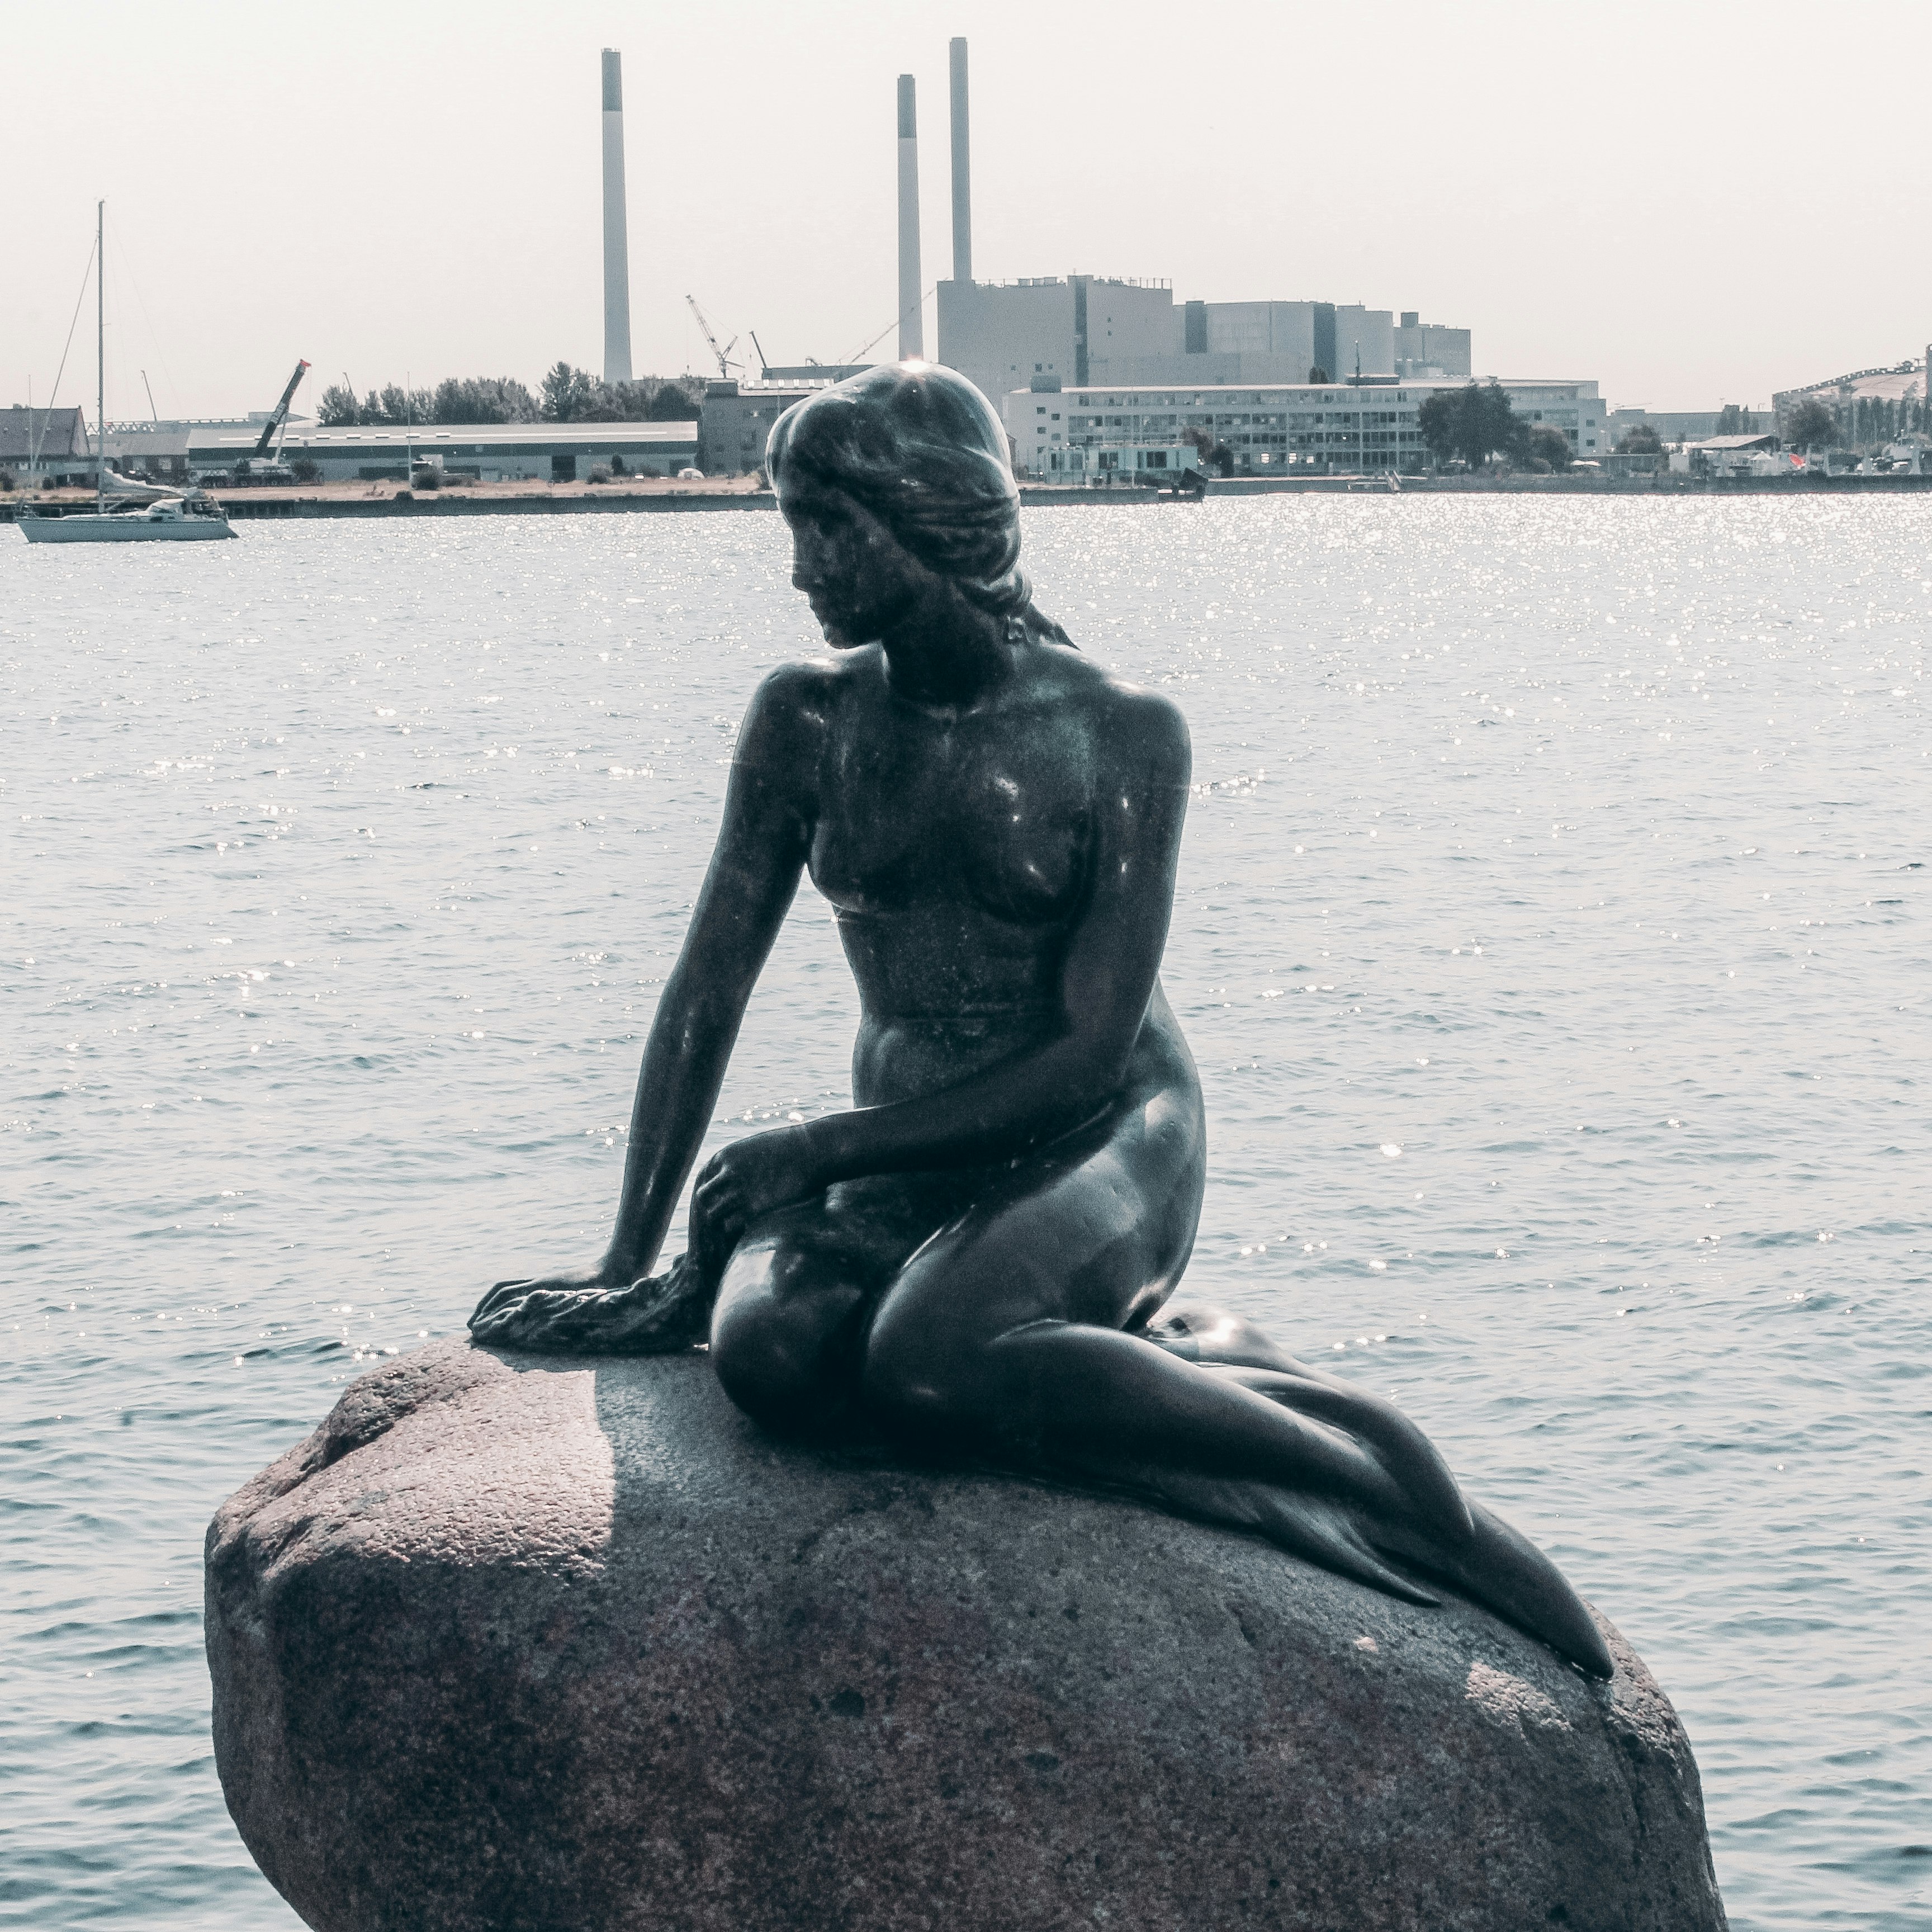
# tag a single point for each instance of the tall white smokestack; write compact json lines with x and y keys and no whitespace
{"x":912,"y":326}
{"x":616,"y":245}
{"x":962,"y":170}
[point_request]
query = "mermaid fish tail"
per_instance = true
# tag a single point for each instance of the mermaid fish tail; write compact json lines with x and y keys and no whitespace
{"x":1505,"y":1572}
{"x":1439,"y":1535}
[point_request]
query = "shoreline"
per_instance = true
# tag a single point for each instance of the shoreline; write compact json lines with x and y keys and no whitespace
{"x":355,"y":501}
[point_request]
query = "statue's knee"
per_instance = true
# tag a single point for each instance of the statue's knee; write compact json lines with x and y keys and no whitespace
{"x":776,"y":1362}
{"x":909,"y":1383}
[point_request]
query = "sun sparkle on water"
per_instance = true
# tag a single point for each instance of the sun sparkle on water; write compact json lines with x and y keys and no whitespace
{"x":346,"y":864}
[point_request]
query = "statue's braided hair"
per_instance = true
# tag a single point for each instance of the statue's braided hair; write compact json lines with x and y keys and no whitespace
{"x":920,"y":447}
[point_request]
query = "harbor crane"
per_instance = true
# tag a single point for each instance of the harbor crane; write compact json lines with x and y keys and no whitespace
{"x":725,"y":367}
{"x":259,"y":466}
{"x":273,"y":429}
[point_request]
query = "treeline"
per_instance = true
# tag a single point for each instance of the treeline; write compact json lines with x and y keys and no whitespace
{"x":565,"y":395}
{"x":1855,"y":422}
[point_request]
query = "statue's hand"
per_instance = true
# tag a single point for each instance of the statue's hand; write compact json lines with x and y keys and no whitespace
{"x":577,"y":1313}
{"x":745,"y":1180}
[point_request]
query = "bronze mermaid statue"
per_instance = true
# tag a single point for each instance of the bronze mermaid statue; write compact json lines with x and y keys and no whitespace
{"x":976,"y":1258}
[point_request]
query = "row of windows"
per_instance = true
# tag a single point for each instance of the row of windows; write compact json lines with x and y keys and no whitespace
{"x":338,"y":453}
{"x":1371,"y":439}
{"x":1181,"y":401}
{"x":1302,"y":419}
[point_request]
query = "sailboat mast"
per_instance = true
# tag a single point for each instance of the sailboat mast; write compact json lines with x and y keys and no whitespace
{"x":101,"y":365}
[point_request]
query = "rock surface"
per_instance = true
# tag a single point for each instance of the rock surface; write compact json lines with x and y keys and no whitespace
{"x":517,"y":1643}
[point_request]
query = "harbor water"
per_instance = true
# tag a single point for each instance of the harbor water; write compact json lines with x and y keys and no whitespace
{"x":1552,"y":934}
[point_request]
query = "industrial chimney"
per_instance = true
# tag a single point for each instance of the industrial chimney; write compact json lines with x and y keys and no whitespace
{"x":617,"y":247}
{"x":962,"y":170}
{"x":912,"y":329}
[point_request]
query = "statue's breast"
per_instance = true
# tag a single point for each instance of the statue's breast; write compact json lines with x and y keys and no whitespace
{"x":996,"y":820}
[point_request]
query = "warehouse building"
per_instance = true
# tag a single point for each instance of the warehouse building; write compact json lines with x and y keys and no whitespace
{"x":489,"y":452}
{"x":46,"y":445}
{"x":1311,"y":429}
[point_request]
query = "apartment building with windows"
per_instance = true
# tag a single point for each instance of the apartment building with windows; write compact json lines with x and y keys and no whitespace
{"x":1310,"y":429}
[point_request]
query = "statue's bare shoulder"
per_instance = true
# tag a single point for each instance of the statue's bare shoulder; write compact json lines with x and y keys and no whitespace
{"x":1136,"y":727}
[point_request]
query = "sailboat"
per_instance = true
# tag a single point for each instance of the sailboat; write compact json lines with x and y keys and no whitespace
{"x":192,"y":516}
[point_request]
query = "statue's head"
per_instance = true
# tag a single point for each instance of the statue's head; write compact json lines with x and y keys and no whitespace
{"x":896,"y":484}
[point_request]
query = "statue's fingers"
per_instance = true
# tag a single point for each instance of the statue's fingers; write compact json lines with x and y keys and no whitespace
{"x":503,"y":1291}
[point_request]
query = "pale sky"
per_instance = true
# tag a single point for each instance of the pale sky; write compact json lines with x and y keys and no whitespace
{"x":1692,"y":203}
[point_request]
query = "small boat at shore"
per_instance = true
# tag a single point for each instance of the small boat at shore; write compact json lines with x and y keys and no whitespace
{"x":193,"y":516}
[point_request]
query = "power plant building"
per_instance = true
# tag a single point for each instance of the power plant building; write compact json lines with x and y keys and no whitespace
{"x":1098,"y":330}
{"x":1424,"y":349}
{"x":1123,"y":331}
{"x":1000,"y":335}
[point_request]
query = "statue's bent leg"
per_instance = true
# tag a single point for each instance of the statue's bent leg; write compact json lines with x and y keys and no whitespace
{"x":1011,"y":1329}
{"x":788,"y":1329}
{"x":1006,"y":1329}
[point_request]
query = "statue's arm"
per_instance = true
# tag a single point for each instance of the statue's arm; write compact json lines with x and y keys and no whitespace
{"x":747,"y":889}
{"x":1113,"y":956}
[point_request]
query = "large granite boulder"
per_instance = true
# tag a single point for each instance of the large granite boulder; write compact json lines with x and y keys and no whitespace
{"x":512,"y":1643}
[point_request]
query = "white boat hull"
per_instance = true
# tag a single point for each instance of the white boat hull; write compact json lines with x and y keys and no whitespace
{"x":129,"y":526}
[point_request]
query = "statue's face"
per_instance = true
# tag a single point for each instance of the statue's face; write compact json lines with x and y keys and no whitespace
{"x":860,"y":579}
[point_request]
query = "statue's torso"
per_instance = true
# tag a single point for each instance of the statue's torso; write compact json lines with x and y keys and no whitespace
{"x":957,"y":850}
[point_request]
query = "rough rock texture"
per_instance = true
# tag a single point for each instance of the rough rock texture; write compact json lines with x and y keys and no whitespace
{"x":512,"y":1643}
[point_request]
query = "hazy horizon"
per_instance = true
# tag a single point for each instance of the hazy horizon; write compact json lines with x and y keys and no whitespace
{"x":1687,"y":207}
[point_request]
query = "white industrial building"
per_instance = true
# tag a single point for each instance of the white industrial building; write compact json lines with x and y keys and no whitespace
{"x":490,"y":452}
{"x":1076,"y":434}
{"x":1096,"y":330}
{"x":1425,"y":349}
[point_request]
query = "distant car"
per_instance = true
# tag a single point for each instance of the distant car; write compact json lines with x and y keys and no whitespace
{"x":691,"y":476}
{"x":1584,"y":463}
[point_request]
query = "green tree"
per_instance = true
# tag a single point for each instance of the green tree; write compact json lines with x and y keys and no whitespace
{"x":1319,"y":374}
{"x":1641,"y":440}
{"x":1732,"y":421}
{"x":674,"y":402}
{"x":568,"y":393}
{"x":482,"y":399}
{"x":395,"y":404}
{"x":1497,"y":424}
{"x":338,"y":409}
{"x":1213,"y":452}
{"x":1474,"y":422}
{"x":1810,"y":424}
{"x":1436,"y":418}
{"x":1547,"y":442}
